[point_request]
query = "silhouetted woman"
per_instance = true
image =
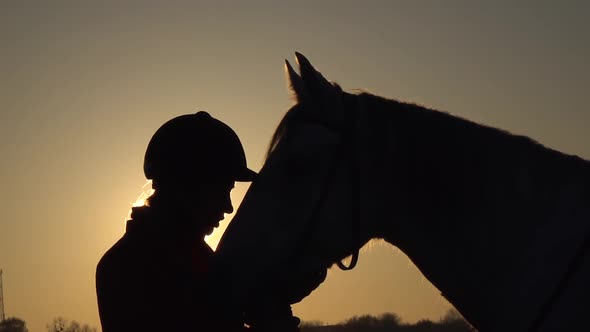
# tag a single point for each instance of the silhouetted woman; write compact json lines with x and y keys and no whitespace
{"x":155,"y":278}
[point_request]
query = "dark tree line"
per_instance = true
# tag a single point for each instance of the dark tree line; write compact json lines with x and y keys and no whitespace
{"x":390,"y":322}
{"x":57,"y":325}
{"x":61,"y":324}
{"x":13,"y":324}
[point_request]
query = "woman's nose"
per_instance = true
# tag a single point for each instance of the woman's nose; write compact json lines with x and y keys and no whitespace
{"x":229,"y":208}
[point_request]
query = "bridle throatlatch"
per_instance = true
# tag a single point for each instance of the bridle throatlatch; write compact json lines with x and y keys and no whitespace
{"x":353,"y":261}
{"x":355,"y":176}
{"x":355,"y":207}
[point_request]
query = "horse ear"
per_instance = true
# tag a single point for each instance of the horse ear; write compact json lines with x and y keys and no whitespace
{"x":316,"y":84}
{"x":296,"y":84}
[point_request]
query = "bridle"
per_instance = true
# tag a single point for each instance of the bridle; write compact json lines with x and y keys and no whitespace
{"x":348,"y":148}
{"x":355,"y":176}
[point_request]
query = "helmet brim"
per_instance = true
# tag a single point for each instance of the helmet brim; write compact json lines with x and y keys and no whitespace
{"x":246,"y":175}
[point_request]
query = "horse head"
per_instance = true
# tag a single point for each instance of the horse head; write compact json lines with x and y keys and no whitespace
{"x":302,"y":212}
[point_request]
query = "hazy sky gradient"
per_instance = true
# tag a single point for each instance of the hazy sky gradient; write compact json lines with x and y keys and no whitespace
{"x":84,"y":86}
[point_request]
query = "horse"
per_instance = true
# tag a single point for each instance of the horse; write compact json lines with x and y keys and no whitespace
{"x":496,"y":221}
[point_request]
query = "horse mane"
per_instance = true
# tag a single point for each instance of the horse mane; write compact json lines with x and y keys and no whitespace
{"x":432,"y":121}
{"x":434,"y":124}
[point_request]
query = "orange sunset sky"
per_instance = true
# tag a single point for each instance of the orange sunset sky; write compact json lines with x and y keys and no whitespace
{"x":83,"y":86}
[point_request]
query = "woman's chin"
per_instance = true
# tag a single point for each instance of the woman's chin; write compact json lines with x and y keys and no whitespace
{"x":209,"y":230}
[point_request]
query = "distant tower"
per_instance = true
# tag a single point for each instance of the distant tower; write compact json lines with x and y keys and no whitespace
{"x":1,"y":299}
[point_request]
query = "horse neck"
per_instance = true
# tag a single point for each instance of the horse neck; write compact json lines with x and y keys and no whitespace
{"x":462,"y":204}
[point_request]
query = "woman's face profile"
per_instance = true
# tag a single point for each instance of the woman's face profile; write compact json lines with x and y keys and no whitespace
{"x":208,"y":203}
